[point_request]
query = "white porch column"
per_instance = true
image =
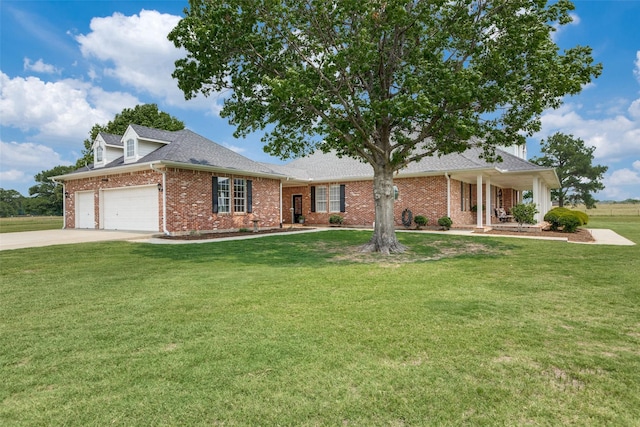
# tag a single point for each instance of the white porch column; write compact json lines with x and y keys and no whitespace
{"x":536,"y":198}
{"x":488,"y":203}
{"x":479,"y":202}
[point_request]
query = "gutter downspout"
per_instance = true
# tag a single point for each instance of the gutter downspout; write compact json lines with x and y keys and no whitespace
{"x":446,"y":175}
{"x":164,"y":198}
{"x":281,"y":202}
{"x":64,"y":203}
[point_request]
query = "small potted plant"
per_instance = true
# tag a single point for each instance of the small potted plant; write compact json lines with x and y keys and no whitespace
{"x":420,"y":221}
{"x":301,"y":219}
{"x":335,"y":220}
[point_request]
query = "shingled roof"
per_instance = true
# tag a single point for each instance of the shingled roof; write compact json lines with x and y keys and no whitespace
{"x":323,"y":167}
{"x":111,"y":139}
{"x":187,"y":148}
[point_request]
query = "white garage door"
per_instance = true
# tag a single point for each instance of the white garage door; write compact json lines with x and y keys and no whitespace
{"x":85,"y":210}
{"x":132,"y":208}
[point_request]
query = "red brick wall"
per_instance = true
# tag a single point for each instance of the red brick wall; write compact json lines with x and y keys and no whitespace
{"x":189,"y":202}
{"x":423,"y":196}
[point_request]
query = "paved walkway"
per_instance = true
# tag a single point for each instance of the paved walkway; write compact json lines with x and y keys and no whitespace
{"x":604,"y":236}
{"x":31,"y":239}
{"x":601,"y":236}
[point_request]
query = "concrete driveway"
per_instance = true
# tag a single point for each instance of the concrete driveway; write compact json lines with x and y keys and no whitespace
{"x":32,"y":239}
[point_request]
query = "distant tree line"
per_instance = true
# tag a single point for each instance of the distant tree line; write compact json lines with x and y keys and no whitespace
{"x":45,"y":197}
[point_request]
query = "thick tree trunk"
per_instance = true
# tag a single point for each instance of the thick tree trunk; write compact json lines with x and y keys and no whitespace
{"x":384,"y":235}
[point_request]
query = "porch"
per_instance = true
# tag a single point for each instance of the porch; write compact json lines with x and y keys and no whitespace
{"x":497,"y":191}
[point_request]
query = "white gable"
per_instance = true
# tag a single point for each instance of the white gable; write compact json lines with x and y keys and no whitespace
{"x":104,"y":152}
{"x":137,"y":146}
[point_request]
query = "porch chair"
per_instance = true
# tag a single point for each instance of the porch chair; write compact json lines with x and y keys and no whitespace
{"x":502,"y":216}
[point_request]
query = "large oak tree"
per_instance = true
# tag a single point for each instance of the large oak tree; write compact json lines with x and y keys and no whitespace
{"x":384,"y":81}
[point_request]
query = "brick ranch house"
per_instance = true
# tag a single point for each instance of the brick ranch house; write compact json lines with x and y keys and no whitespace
{"x":180,"y":182}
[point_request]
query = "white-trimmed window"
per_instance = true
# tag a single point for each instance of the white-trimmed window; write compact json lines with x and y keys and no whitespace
{"x":224,"y":205}
{"x":130,"y":148}
{"x":334,"y":198}
{"x":99,"y":154}
{"x":321,"y":198}
{"x":239,"y":195}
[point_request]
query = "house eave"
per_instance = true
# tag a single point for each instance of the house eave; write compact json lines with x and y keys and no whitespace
{"x":136,"y":167}
{"x":218,"y":169}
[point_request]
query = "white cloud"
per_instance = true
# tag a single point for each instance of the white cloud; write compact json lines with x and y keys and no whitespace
{"x":8,"y":178}
{"x":624,"y":177}
{"x":39,"y":67}
{"x":138,"y":48}
{"x":636,"y":70}
{"x":621,"y":184}
{"x":634,"y":109}
{"x":63,"y":109}
{"x":615,"y":137}
{"x":20,"y":162}
{"x":135,"y":51}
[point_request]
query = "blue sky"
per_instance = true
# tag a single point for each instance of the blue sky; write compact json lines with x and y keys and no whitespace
{"x":66,"y":65}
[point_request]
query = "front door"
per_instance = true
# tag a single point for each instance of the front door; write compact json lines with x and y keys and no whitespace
{"x":297,"y":207}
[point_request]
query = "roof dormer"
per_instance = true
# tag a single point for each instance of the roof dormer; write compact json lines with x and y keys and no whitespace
{"x":138,"y":141}
{"x":106,"y":148}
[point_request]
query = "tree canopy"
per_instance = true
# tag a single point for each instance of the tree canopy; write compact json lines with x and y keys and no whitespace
{"x":46,"y":195}
{"x":387,"y":82}
{"x":573,"y":162}
{"x":144,"y":115}
{"x":11,"y":203}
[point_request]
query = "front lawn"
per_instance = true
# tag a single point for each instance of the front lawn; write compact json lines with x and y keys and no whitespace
{"x":302,"y":330}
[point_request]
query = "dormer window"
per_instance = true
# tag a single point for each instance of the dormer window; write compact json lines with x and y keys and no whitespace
{"x":99,"y":154}
{"x":131,"y":148}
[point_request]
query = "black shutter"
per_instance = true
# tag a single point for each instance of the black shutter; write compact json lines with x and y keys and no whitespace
{"x":313,"y":198}
{"x":214,"y":194}
{"x":343,"y":207}
{"x":249,"y":196}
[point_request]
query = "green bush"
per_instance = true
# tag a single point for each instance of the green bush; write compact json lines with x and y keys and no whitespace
{"x":567,"y":219}
{"x":335,"y":219}
{"x":570,"y":222}
{"x":445,"y":222}
{"x":584,"y":218}
{"x":524,"y":214}
{"x":421,"y":221}
{"x":553,"y":218}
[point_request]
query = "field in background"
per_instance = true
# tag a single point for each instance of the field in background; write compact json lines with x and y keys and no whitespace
{"x":611,"y":209}
{"x":30,"y":223}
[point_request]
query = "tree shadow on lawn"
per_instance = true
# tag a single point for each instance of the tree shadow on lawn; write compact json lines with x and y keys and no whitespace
{"x":315,"y":249}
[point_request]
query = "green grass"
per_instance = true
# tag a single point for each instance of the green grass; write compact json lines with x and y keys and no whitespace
{"x":30,"y":223}
{"x":302,"y":330}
